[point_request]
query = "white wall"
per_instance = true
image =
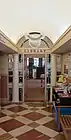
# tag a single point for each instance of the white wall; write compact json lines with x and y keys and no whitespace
{"x":53,"y":69}
{"x":4,"y":65}
{"x":65,"y":61}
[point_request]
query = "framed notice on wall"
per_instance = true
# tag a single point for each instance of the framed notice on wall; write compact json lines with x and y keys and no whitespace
{"x":69,"y":66}
{"x":58,"y":64}
{"x":66,"y":59}
{"x":66,"y":69}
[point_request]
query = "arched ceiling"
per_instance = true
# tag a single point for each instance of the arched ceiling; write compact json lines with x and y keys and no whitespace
{"x":50,"y":17}
{"x":24,"y":43}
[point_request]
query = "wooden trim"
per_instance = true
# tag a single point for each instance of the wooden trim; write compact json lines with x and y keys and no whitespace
{"x":66,"y":124}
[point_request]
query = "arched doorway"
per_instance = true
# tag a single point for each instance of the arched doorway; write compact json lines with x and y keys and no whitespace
{"x":35,"y":45}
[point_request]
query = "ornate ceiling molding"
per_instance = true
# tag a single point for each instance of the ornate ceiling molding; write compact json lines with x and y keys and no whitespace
{"x":35,"y":43}
{"x":34,"y":35}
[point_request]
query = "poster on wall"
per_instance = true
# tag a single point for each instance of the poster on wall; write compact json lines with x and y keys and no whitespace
{"x":58,"y":64}
{"x":66,"y":59}
{"x":66,"y":69}
{"x":69,"y":66}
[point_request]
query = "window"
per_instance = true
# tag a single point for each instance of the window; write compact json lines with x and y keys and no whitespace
{"x":27,"y":61}
{"x":49,"y":58}
{"x":20,"y":58}
{"x":20,"y":73}
{"x":20,"y":79}
{"x":10,"y":79}
{"x":20,"y":94}
{"x":36,"y":62}
{"x":10,"y":72}
{"x":10,"y":60}
{"x":43,"y":62}
{"x":10,"y":94}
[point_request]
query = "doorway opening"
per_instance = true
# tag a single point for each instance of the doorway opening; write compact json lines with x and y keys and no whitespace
{"x":35,"y":84}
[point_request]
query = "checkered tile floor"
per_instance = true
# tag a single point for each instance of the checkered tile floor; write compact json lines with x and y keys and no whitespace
{"x":28,"y":121}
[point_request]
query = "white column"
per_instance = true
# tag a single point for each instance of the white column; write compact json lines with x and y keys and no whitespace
{"x":53,"y":69}
{"x":45,"y":77}
{"x":23,"y":77}
{"x":15,"y":79}
{"x":53,"y":73}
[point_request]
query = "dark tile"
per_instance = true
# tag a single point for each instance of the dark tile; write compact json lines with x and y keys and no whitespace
{"x":6,"y":104}
{"x":34,"y":108}
{"x":2,"y":115}
{"x":34,"y":116}
{"x":43,"y":137}
{"x":5,"y":137}
{"x":51,"y":125}
{"x":33,"y":135}
{"x":10,"y":125}
{"x":60,"y":137}
{"x":69,"y":134}
{"x":48,"y":109}
{"x":17,"y":109}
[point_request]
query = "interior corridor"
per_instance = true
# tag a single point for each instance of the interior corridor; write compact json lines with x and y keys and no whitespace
{"x":34,"y":91}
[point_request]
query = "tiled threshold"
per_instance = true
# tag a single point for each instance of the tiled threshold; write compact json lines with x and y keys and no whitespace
{"x":30,"y":103}
{"x":31,"y":100}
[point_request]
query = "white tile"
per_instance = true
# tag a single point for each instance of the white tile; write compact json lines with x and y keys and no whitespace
{"x":6,"y":118}
{"x":13,"y":139}
{"x":2,"y":131}
{"x":9,"y":106}
{"x":44,"y":112}
{"x":20,"y":131}
{"x":47,"y":105}
{"x":7,"y":112}
{"x":24,"y":112}
{"x":47,"y":131}
{"x":44,"y":120}
{"x":24,"y":105}
{"x":40,"y":108}
{"x":23,"y":120}
{"x":30,"y":107}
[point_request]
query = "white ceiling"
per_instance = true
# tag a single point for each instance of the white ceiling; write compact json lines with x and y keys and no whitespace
{"x":5,"y":49}
{"x":51,"y":17}
{"x":65,"y":48}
